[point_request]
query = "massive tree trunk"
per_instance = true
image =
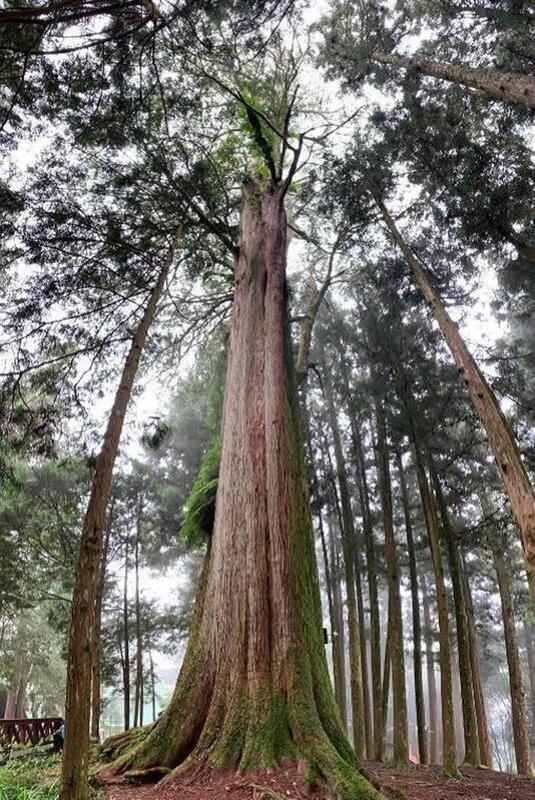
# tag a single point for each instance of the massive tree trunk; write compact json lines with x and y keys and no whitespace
{"x":511,"y":87}
{"x":416,"y":621}
{"x":348,"y":545}
{"x":446,"y":680}
{"x":485,"y":748}
{"x":96,"y":645}
{"x":471,"y":749}
{"x":254,"y":689}
{"x":431,"y":682}
{"x":78,"y":694}
{"x":518,"y":705}
{"x":395,"y":617}
{"x":500,"y":436}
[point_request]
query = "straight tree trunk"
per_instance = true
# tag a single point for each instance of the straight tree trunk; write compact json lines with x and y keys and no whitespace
{"x":78,"y":695}
{"x":449,"y":761}
{"x":485,"y":748}
{"x":518,"y":705}
{"x":510,"y":87}
{"x":254,"y":688}
{"x":96,"y":645}
{"x":126,"y":635}
{"x":368,"y":728}
{"x":332,"y":580}
{"x":395,"y":618}
{"x":416,"y":620}
{"x":152,"y":685}
{"x":348,"y":547}
{"x":138,"y":697}
{"x":471,"y":747}
{"x":530,"y":654}
{"x":499,"y":434}
{"x":431,"y":682}
{"x":375,"y":625}
{"x":337,"y":627}
{"x":387,"y":671}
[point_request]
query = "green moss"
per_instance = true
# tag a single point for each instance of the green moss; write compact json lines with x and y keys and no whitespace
{"x":199,"y":510}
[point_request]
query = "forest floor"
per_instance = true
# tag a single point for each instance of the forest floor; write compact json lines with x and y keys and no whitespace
{"x":414,"y":783}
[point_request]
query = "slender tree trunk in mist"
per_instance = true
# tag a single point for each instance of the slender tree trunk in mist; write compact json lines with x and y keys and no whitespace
{"x":485,"y":748}
{"x":499,"y":434}
{"x":416,"y":620}
{"x":97,"y":628}
{"x":370,"y":545}
{"x":387,"y":670}
{"x":348,"y":546}
{"x":518,"y":705}
{"x":138,"y":696}
{"x":368,"y":728}
{"x":471,"y":747}
{"x":338,"y":631}
{"x":530,"y":654}
{"x":395,"y":617}
{"x":152,"y":685}
{"x":510,"y":87}
{"x":431,"y":681}
{"x":254,"y":689}
{"x":449,"y":761}
{"x":126,"y":651}
{"x":332,"y":581}
{"x":78,"y":695}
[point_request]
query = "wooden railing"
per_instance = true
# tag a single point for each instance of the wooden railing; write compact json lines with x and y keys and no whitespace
{"x":27,"y":731}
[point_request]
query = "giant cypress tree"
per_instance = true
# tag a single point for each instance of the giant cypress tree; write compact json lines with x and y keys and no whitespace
{"x":254,"y":689}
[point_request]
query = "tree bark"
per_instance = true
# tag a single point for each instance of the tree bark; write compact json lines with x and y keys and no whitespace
{"x":499,"y":434}
{"x":126,"y":642}
{"x":395,"y":618}
{"x":431,"y":682}
{"x":78,"y":694}
{"x":416,"y":620}
{"x":254,"y":689}
{"x":510,"y":87}
{"x":348,"y":546}
{"x":446,"y":681}
{"x":485,"y":748}
{"x":96,"y":644}
{"x":516,"y":683}
{"x":471,"y":746}
{"x":530,"y":655}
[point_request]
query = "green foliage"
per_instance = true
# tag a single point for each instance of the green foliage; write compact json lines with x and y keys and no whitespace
{"x":34,"y":777}
{"x":199,"y":510}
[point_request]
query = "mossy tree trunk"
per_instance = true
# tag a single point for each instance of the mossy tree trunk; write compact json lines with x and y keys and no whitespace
{"x":348,"y":546}
{"x":446,"y":679}
{"x":395,"y":617}
{"x":416,"y":619}
{"x":516,"y":682}
{"x":511,"y":87}
{"x":501,"y":439}
{"x":471,"y":745}
{"x":254,"y":689}
{"x":78,"y":694}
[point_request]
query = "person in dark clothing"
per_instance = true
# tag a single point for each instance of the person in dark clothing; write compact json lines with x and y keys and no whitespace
{"x":59,"y":737}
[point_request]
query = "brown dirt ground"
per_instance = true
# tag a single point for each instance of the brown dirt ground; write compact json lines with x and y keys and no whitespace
{"x":414,"y":783}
